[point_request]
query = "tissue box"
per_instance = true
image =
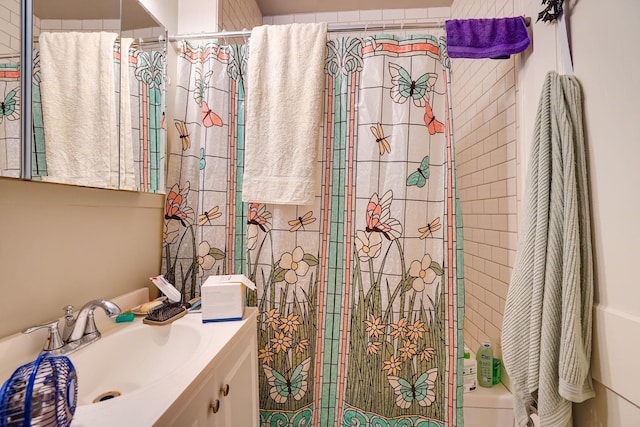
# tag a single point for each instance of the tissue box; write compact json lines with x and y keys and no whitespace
{"x":224,"y":297}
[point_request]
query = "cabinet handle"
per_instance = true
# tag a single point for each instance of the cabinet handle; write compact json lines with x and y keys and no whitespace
{"x":215,"y":406}
{"x":224,"y":390}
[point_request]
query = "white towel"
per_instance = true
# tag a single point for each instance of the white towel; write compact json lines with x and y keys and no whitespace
{"x":127,"y":174}
{"x":285,"y":84}
{"x":78,"y":107}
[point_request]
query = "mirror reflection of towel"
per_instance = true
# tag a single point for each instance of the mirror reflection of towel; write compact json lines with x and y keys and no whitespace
{"x":486,"y":38}
{"x":78,"y":108}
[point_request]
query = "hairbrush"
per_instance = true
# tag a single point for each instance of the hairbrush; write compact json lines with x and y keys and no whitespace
{"x":165,"y":313}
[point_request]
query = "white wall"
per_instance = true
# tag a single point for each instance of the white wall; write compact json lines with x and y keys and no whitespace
{"x":602,"y":48}
{"x":605,"y":48}
{"x":165,"y":12}
{"x":195,"y":16}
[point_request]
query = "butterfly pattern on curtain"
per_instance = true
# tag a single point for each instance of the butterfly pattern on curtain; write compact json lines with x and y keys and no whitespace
{"x":359,"y":294}
{"x":146,"y":72}
{"x":10,"y":129}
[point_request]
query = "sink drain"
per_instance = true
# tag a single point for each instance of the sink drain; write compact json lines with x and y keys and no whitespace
{"x":106,"y":396}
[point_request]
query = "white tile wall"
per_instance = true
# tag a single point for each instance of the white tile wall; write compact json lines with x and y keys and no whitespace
{"x":91,"y":25}
{"x":88,"y":25}
{"x":484,"y":104}
{"x":10,"y":26}
{"x":363,"y":17}
{"x":144,"y":33}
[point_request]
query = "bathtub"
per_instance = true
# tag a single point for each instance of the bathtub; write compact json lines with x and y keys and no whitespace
{"x":488,"y":407}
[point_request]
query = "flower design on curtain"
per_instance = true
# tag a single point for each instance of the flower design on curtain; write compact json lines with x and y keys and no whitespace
{"x":344,"y":56}
{"x":176,"y":206}
{"x":150,"y":68}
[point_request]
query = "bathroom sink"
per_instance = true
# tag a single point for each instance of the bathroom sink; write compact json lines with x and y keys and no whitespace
{"x":132,"y":357}
{"x":134,"y":372}
{"x":150,"y":366}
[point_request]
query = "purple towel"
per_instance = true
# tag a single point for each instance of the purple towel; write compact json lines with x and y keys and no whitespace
{"x":486,"y":38}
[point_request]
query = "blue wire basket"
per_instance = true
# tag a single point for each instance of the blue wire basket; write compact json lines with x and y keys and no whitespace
{"x":40,"y":393}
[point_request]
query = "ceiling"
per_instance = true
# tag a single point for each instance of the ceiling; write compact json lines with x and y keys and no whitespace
{"x":287,"y":7}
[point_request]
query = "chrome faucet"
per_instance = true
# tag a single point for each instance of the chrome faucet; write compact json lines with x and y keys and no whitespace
{"x":84,"y":324}
{"x":78,"y":331}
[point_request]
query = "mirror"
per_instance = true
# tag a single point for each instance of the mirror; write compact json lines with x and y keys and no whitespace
{"x":98,"y":95}
{"x":147,"y":77}
{"x":10,"y":126}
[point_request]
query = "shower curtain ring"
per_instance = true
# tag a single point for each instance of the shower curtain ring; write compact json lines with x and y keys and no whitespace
{"x":224,"y":36}
{"x":244,"y":34}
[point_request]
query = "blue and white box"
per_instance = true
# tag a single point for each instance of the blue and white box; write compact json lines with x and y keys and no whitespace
{"x":224,"y":297}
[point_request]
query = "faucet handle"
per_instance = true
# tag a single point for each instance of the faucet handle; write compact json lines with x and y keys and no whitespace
{"x":54,"y":340}
{"x":68,"y":311}
{"x":90,"y":327}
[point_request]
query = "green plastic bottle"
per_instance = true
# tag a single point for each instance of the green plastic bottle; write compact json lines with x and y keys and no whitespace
{"x":497,"y":371}
{"x":484,"y":356}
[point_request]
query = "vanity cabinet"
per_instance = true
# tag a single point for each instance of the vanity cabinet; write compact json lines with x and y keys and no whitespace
{"x":225,"y":394}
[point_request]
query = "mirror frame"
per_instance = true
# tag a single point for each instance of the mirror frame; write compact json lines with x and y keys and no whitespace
{"x":26,"y":63}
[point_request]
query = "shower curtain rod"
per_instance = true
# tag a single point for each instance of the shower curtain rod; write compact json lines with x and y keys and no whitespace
{"x":138,"y":40}
{"x":330,"y":29}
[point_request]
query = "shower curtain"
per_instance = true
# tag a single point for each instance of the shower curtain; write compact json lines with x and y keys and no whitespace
{"x":360,"y":294}
{"x":10,"y":129}
{"x":146,"y":72}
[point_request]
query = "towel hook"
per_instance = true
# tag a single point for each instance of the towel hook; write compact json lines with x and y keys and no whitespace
{"x":552,"y":10}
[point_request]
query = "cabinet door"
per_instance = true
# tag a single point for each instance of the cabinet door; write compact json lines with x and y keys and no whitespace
{"x":238,"y":391}
{"x":226,"y":393}
{"x":196,"y":408}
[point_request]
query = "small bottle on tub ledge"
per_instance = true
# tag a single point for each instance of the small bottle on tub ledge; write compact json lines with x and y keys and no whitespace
{"x":484,"y":357}
{"x":469,"y":373}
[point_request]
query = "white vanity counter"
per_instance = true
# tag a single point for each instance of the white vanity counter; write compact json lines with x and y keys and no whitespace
{"x":212,"y":383}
